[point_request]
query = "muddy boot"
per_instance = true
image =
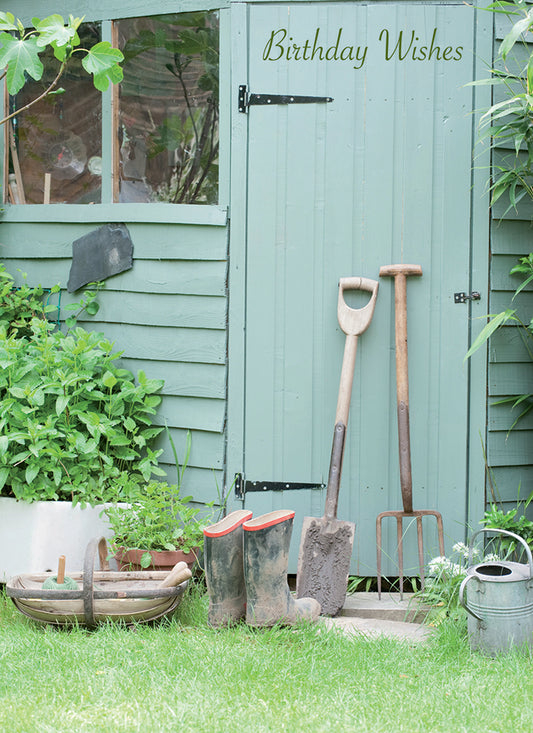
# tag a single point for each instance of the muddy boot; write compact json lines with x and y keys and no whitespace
{"x":266,"y":558}
{"x":223,"y":569}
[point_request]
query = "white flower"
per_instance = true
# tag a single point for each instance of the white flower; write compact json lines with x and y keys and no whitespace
{"x":461,"y":549}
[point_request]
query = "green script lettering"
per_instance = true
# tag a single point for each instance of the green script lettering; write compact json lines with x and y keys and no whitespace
{"x":275,"y":35}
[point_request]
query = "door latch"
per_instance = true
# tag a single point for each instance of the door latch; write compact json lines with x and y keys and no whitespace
{"x":248,"y":100}
{"x":463,"y":297}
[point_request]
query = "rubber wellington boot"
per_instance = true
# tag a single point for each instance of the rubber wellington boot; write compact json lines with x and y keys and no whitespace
{"x":266,"y":558}
{"x":223,"y":553}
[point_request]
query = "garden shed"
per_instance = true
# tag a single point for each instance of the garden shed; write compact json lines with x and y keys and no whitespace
{"x":245,"y":204}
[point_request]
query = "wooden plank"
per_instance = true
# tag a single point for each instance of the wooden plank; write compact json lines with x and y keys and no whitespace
{"x":205,"y":346}
{"x":120,"y":213}
{"x":512,"y":483}
{"x":192,"y":413}
{"x":189,"y":311}
{"x":501,"y":417}
{"x":510,"y":450}
{"x":179,"y":277}
{"x":207,"y":449}
{"x":102,"y":10}
{"x":523,"y":304}
{"x":150,"y":241}
{"x":512,"y":238}
{"x":507,"y":346}
{"x":510,"y":379}
{"x":183,"y":379}
{"x":500,"y":277}
{"x":202,"y":484}
{"x":523,"y":212}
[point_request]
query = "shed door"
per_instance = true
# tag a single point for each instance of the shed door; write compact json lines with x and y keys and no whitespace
{"x":380,"y":175}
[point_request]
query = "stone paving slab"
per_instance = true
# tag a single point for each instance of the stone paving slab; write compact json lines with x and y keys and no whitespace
{"x":390,"y":607}
{"x":365,"y":614}
{"x":372,"y":628}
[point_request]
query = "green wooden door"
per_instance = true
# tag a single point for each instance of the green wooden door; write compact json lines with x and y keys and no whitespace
{"x":380,"y":175}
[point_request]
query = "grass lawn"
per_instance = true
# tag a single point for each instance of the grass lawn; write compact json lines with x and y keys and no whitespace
{"x":184,"y":676}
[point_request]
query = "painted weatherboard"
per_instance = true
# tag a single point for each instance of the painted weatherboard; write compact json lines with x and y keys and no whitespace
{"x":167,"y":314}
{"x":509,"y":455}
{"x":380,"y":175}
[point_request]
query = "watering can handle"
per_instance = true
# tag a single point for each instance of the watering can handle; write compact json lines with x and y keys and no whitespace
{"x":509,"y":534}
{"x":462,"y":600}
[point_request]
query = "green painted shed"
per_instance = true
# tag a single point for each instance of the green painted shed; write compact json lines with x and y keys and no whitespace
{"x":232,"y":296}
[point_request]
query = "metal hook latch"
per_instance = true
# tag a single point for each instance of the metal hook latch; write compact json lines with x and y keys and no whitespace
{"x":463,"y":297}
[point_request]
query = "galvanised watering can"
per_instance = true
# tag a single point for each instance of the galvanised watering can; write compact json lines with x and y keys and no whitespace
{"x":500,"y":602}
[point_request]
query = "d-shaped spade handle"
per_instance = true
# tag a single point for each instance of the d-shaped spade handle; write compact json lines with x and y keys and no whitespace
{"x":354,"y":321}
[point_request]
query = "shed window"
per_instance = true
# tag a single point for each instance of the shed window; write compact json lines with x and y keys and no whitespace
{"x":164,"y":118}
{"x":55,"y":143}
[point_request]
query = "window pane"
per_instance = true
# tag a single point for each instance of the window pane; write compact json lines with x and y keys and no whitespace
{"x":60,"y":135}
{"x":168,"y":108}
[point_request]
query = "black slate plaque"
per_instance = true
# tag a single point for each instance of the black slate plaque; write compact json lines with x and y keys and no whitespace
{"x":106,"y":251}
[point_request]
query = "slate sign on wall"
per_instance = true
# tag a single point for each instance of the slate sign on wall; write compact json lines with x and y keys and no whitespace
{"x":96,"y":256}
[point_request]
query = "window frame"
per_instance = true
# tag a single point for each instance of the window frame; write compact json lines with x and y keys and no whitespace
{"x":110,"y":210}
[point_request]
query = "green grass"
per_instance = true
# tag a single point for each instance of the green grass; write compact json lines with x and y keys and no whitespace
{"x":184,"y":676}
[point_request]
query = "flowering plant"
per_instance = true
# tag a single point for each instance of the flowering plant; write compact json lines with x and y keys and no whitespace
{"x":441,"y":591}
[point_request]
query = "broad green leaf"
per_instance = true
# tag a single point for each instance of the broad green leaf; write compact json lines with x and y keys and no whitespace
{"x":31,"y":472}
{"x":4,"y":474}
{"x":38,"y":397}
{"x":52,"y":30}
{"x":61,"y":403}
{"x":130,"y":424}
{"x":109,"y":380}
{"x":21,"y":58}
{"x":7,"y":22}
{"x":496,"y":321}
{"x":511,"y":38}
{"x":4,"y":443}
{"x":92,"y":308}
{"x":146,"y":560}
{"x":102,"y":60}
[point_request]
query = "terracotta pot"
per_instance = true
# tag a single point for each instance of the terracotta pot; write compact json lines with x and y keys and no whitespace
{"x":161,"y":559}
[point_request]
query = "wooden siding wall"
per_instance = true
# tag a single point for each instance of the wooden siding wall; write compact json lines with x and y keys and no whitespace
{"x":510,"y":455}
{"x":167,"y":314}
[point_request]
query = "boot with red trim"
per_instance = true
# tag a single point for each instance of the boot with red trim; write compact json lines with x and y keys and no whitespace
{"x":266,"y":559}
{"x":223,"y":558}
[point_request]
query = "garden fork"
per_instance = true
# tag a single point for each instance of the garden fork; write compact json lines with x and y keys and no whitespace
{"x":400,"y":274}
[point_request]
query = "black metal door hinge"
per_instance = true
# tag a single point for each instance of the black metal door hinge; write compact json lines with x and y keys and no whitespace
{"x":243,"y":486}
{"x":463,"y":297}
{"x":249,"y":100}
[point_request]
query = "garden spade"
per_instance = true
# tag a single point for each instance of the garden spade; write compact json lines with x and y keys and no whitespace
{"x":327,"y":542}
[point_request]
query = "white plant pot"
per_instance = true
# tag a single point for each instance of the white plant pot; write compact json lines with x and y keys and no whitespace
{"x":33,"y":536}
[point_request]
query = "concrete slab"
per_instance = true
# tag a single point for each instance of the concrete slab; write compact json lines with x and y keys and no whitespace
{"x":372,"y":628}
{"x":389,"y":607}
{"x":367,"y":615}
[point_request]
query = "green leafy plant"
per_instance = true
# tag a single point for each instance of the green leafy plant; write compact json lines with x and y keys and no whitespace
{"x":512,"y":520}
{"x":441,"y":591}
{"x":158,"y":517}
{"x":20,"y":49}
{"x":72,"y":423}
{"x":508,"y":123}
{"x":506,"y":318}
